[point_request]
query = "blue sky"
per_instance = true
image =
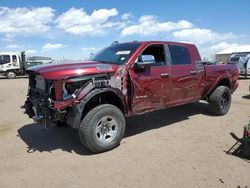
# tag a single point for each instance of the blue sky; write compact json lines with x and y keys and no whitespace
{"x":73,"y":29}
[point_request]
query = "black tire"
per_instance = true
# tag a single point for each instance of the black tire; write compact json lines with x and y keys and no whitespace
{"x":246,"y":149}
{"x":10,"y":74}
{"x":220,"y":100}
{"x":98,"y":119}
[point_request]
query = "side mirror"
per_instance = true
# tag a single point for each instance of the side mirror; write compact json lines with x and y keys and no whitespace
{"x":147,"y":59}
{"x":143,"y":62}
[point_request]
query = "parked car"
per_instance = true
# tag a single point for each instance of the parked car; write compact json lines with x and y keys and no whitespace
{"x":122,"y":80}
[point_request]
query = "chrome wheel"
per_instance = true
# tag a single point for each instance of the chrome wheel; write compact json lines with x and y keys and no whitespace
{"x":102,"y":128}
{"x":106,"y":129}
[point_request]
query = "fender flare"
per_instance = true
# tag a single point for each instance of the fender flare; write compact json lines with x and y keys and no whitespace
{"x":97,"y":91}
{"x":225,"y":76}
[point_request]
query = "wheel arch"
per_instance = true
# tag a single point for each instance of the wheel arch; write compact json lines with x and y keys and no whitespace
{"x":222,"y":81}
{"x":105,"y":96}
{"x":94,"y":98}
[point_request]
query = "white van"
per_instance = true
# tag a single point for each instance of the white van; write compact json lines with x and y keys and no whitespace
{"x":239,"y":59}
{"x":245,"y":68}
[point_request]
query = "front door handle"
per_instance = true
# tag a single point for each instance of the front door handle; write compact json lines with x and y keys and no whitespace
{"x":164,"y":75}
{"x":193,"y":72}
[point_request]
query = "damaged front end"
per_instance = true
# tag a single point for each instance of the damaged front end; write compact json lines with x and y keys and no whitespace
{"x":50,"y":102}
{"x":40,"y":102}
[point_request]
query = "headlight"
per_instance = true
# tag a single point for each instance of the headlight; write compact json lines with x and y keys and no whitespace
{"x":69,"y":89}
{"x":40,"y":83}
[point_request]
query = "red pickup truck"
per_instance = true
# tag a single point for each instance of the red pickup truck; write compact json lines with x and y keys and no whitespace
{"x":123,"y":80}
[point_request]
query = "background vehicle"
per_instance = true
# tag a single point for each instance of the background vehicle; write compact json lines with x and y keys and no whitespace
{"x":12,"y":65}
{"x":124,"y":80}
{"x":245,"y":67}
{"x":239,"y":59}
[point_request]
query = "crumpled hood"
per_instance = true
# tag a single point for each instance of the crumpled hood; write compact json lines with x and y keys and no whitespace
{"x":67,"y":70}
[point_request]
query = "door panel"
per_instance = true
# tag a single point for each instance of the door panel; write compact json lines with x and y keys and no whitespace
{"x":151,"y":88}
{"x":184,"y":76}
{"x":184,"y":84}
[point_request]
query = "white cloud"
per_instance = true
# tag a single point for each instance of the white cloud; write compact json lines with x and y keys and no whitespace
{"x":30,"y":51}
{"x":49,"y":46}
{"x":25,"y":21}
{"x":149,"y":25}
{"x":91,"y":49}
{"x":13,"y":46}
{"x":200,"y":36}
{"x":87,"y":52}
{"x":77,"y":21}
{"x":221,"y":46}
{"x":210,"y":51}
{"x":126,"y":16}
{"x":7,"y":38}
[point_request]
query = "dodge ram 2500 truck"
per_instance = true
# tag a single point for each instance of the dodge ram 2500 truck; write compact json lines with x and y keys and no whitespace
{"x":122,"y":80}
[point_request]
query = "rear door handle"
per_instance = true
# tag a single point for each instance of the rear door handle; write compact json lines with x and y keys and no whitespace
{"x":164,"y":75}
{"x":193,"y":72}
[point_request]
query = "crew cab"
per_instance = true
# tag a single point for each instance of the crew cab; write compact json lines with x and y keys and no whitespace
{"x":122,"y":80}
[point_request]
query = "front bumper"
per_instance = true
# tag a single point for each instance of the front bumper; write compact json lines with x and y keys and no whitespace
{"x":38,"y":107}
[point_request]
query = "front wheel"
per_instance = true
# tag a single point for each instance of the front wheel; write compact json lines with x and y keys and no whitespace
{"x":220,"y":100}
{"x":10,"y":74}
{"x":102,"y":128}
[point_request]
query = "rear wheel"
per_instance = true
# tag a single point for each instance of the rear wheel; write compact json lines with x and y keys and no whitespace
{"x":103,"y":128}
{"x":220,"y":100}
{"x":10,"y":74}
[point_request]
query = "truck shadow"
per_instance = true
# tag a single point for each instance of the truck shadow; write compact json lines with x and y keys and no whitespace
{"x":162,"y":118}
{"x":40,"y":139}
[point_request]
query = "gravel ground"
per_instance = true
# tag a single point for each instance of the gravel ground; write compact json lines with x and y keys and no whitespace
{"x":178,"y":147}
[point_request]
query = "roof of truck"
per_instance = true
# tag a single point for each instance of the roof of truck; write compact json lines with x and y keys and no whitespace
{"x":8,"y":53}
{"x":154,"y":41}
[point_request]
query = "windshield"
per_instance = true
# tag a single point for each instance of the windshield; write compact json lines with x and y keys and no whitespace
{"x":4,"y":59}
{"x":115,"y":54}
{"x":234,"y":59}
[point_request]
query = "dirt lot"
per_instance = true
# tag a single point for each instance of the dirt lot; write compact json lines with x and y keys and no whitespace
{"x":178,"y":147}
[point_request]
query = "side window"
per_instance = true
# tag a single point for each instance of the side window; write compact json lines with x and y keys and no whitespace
{"x":179,"y":55}
{"x":14,"y":59}
{"x":153,"y":55}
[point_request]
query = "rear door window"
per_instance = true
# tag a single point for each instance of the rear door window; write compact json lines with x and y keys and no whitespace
{"x":179,"y":55}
